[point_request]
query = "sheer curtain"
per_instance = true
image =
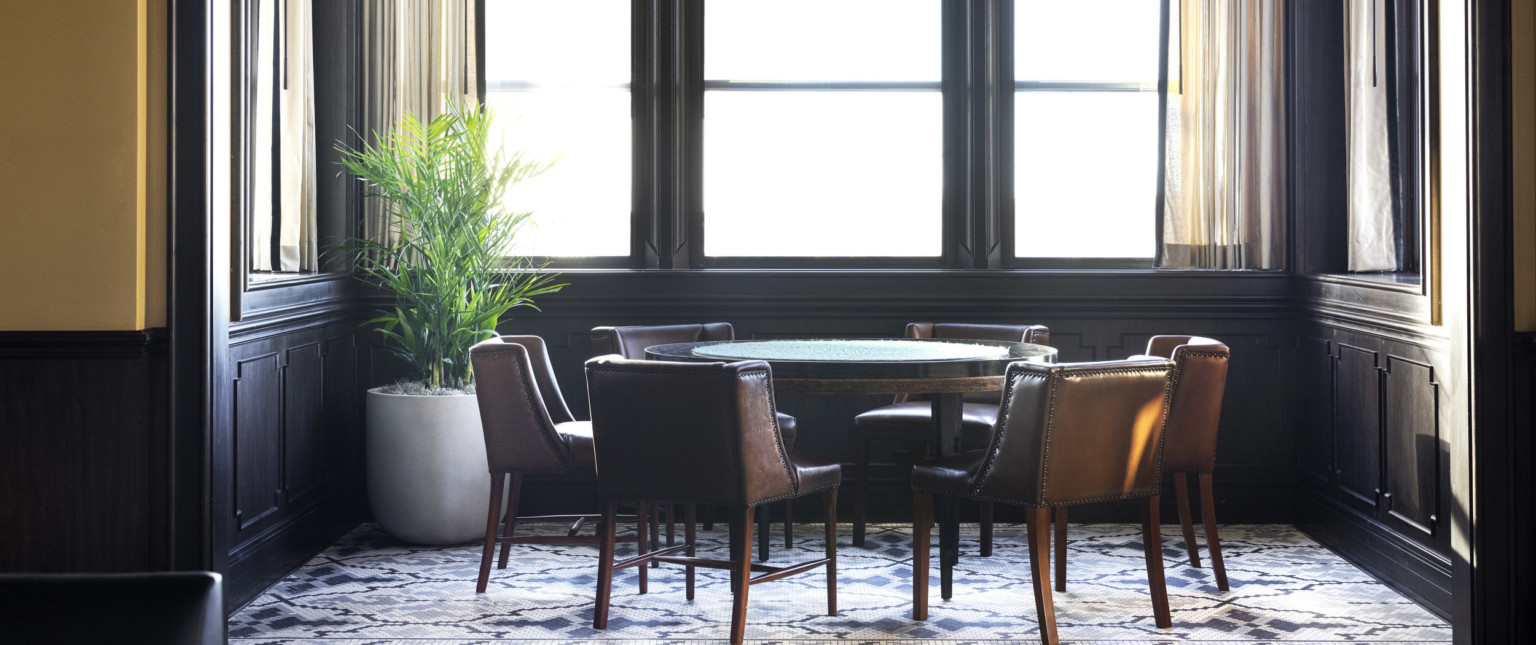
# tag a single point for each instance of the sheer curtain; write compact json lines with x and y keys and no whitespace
{"x":1372,"y":238}
{"x":1223,"y":201}
{"x":420,"y":54}
{"x":298,"y":248}
{"x":284,"y":202}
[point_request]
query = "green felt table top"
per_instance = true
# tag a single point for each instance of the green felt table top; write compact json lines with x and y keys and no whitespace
{"x":852,"y":350}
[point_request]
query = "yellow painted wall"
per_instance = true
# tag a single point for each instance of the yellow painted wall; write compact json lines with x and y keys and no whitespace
{"x":82,"y":165}
{"x":1523,"y":71}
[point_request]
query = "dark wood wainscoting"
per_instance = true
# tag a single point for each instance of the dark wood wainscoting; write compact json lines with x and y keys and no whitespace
{"x":1091,"y":316}
{"x":84,"y":451}
{"x":1524,"y":491}
{"x":288,"y":456}
{"x":1371,"y":419}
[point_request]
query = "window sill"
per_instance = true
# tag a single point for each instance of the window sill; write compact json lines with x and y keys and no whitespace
{"x":1401,"y":282}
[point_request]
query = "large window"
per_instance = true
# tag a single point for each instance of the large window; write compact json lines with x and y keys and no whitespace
{"x":1085,"y":128}
{"x":558,"y":74}
{"x":834,"y":133}
{"x":823,"y":128}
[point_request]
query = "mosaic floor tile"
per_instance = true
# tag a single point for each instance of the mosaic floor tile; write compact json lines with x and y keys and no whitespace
{"x":368,"y":589}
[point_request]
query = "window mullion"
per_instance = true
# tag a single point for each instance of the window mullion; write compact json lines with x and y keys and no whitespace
{"x":978,"y":92}
{"x":666,"y":163}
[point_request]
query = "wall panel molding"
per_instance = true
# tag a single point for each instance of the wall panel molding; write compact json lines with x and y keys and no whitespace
{"x":1378,"y":400}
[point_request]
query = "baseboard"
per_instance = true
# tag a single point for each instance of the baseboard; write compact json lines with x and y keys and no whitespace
{"x":264,"y":560}
{"x":1410,"y":568}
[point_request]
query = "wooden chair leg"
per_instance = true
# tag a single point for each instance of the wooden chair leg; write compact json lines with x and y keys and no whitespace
{"x":1212,"y":539}
{"x":789,"y":523}
{"x":671,"y":524}
{"x":1039,"y":529}
{"x":642,"y":526}
{"x":1181,"y":495}
{"x":709,"y":517}
{"x":762,"y":533}
{"x":1152,"y":544}
{"x":606,"y":530}
{"x":735,"y":545}
{"x":743,"y":577}
{"x":655,"y":528}
{"x":922,"y":546}
{"x":1061,"y":548}
{"x":986,"y":529}
{"x":860,"y":488}
{"x":514,"y":493}
{"x":829,"y":502}
{"x":492,"y":525}
{"x":689,"y":515}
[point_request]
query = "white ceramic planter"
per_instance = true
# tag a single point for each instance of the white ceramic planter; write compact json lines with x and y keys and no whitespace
{"x":427,"y":475}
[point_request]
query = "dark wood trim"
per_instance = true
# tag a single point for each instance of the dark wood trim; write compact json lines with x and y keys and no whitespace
{"x":190,"y":292}
{"x":83,"y":344}
{"x":1421,"y":574}
{"x":86,"y":453}
{"x":266,"y":559}
{"x":1494,"y":618}
{"x":1523,"y":488}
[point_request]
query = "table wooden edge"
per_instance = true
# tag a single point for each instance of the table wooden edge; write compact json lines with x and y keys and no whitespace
{"x":952,"y":385}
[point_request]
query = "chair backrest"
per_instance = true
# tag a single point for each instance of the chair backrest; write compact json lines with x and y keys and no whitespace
{"x":631,"y":341}
{"x":165,"y":608}
{"x":1078,"y":432}
{"x":1194,"y":413}
{"x":520,"y":404}
{"x":1037,"y":334}
{"x":700,"y":432}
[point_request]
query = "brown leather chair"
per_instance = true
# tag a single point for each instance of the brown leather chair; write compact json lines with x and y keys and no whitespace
{"x":528,"y":429}
{"x":1066,"y":434}
{"x":630,"y":342}
{"x":700,"y":433}
{"x":910,"y":418}
{"x":1199,"y":380}
{"x":160,"y":608}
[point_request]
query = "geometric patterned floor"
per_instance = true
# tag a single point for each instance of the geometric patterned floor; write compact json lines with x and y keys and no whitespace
{"x":1286,"y":588}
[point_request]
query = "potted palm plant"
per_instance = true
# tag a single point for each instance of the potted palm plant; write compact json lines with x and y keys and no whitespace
{"x":445,"y":265}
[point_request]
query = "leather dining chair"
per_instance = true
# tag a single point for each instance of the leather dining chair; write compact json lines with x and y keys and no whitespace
{"x":910,"y":418}
{"x":700,"y":433}
{"x":630,"y":342}
{"x":1194,"y":414}
{"x":159,"y":608}
{"x":1066,"y":434}
{"x":528,"y":429}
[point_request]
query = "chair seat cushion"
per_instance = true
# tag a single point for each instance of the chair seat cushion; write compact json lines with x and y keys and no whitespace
{"x":950,"y":474}
{"x":915,"y":419}
{"x":578,"y":440}
{"x":787,"y":429}
{"x":815,"y":473}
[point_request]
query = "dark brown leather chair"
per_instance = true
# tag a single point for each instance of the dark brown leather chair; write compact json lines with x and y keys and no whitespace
{"x":1199,"y":381}
{"x":700,"y":433}
{"x":630,"y":342}
{"x":910,"y":418}
{"x":528,"y":429}
{"x":162,"y":608}
{"x":1066,"y":434}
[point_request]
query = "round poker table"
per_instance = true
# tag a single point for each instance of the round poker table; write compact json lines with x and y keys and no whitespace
{"x":869,"y":366}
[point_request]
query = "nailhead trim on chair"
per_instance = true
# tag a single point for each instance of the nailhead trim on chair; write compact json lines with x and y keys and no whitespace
{"x":560,"y":449}
{"x":794,"y":483}
{"x":1001,"y":426}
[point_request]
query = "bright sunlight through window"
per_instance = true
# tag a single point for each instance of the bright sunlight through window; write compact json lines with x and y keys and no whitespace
{"x":823,"y":128}
{"x":1085,"y":128}
{"x":557,"y":75}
